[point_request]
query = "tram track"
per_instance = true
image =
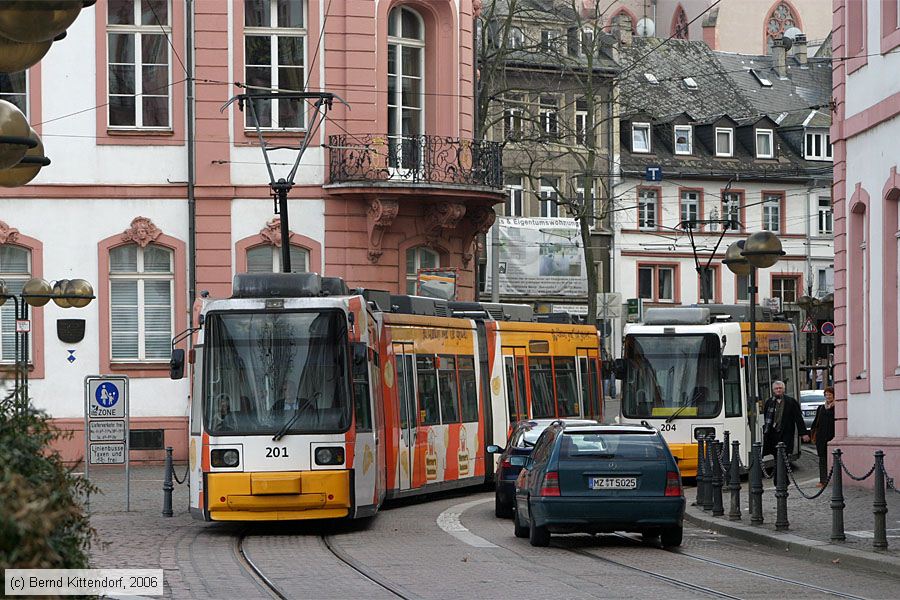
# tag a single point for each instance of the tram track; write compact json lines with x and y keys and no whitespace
{"x":359,"y":568}
{"x":254,"y":571}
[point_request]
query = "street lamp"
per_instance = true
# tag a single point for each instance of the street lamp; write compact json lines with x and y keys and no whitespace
{"x":65,"y":293}
{"x":759,"y":251}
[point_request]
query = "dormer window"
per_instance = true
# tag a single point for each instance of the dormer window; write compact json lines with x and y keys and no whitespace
{"x":724,"y":141}
{"x":516,"y":39}
{"x":684,"y":139}
{"x":548,"y":40}
{"x":651,"y":78}
{"x":765,"y":148}
{"x":817,"y":145}
{"x":640,"y":137}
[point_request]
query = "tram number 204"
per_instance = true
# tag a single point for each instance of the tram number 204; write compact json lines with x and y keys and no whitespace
{"x":667,"y":427}
{"x":276,"y":452}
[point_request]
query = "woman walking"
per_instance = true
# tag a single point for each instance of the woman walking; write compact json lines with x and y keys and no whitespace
{"x":823,"y":432}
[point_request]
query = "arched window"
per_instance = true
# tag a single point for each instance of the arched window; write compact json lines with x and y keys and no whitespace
{"x":780,"y":19}
{"x":623,"y":13}
{"x":417,"y":258}
{"x":680,"y":24}
{"x":406,"y":86}
{"x":267,"y":259}
{"x":857,"y":310}
{"x":15,"y":270}
{"x":141,"y":298}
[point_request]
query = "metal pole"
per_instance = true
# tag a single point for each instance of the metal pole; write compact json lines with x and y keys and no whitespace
{"x":495,"y":261}
{"x":281,"y":189}
{"x":879,"y":506}
{"x":837,"y":498}
{"x":701,"y":476}
{"x":717,"y":508}
{"x":753,"y":410}
{"x":168,"y":486}
{"x":756,"y":485}
{"x":734,"y":514}
{"x":781,"y":488}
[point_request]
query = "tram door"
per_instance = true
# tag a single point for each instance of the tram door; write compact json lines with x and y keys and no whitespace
{"x":514,"y":372}
{"x":590,"y":384}
{"x":406,"y":395}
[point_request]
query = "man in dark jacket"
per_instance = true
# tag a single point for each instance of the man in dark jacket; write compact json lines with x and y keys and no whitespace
{"x":782,"y":415}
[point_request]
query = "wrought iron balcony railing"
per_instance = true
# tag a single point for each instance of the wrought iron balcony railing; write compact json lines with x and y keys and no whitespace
{"x":416,"y":159}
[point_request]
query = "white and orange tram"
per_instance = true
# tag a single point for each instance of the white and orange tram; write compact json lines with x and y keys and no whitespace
{"x":311,"y":402}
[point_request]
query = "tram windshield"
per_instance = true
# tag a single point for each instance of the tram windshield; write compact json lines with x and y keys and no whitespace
{"x":276,"y":373}
{"x":672,"y":376}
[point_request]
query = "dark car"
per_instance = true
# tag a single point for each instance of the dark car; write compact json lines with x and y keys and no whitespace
{"x":512,"y":458}
{"x":600,"y":478}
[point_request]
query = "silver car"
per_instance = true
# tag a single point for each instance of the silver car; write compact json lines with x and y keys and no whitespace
{"x":810,"y":400}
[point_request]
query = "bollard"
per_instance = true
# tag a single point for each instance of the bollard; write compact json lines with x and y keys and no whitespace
{"x":708,"y":473}
{"x":701,"y":476}
{"x":726,"y":456}
{"x":837,"y":498}
{"x":781,"y":489}
{"x":168,"y":486}
{"x":717,"y":507}
{"x":734,"y":482}
{"x":756,"y":485}
{"x":879,"y":506}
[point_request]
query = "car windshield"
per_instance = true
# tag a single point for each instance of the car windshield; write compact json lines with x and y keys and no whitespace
{"x":265,"y":370}
{"x":672,"y":376}
{"x":626,"y":446}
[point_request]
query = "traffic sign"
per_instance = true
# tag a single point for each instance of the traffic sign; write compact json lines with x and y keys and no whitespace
{"x":827,"y":328}
{"x":635,"y":310}
{"x":653,"y":173}
{"x":23,"y":326}
{"x":609,"y":305}
{"x":107,"y":454}
{"x":106,"y":425}
{"x":106,"y":431}
{"x":106,"y":398}
{"x":828,"y":339}
{"x":809,"y":326}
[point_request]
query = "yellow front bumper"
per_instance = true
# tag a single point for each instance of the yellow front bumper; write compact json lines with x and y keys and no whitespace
{"x":277,"y":496}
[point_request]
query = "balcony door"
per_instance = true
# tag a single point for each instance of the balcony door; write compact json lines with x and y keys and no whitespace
{"x":406,"y":93}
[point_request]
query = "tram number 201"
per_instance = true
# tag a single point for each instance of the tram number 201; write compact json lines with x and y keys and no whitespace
{"x":667,"y":427}
{"x":276,"y":452}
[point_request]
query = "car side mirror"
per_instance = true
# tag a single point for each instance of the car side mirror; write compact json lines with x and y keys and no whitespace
{"x":494,"y":449}
{"x":619,"y":368}
{"x":176,"y":364}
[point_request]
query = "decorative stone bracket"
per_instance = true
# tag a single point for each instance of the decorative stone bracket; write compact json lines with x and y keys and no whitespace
{"x":441,"y":219}
{"x":8,"y":235}
{"x":142,"y":232}
{"x":380,"y":216}
{"x":478,"y":221}
{"x":272,"y":232}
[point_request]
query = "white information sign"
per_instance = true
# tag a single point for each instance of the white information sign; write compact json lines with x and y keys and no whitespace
{"x":106,"y":425}
{"x":107,"y":454}
{"x":107,"y":431}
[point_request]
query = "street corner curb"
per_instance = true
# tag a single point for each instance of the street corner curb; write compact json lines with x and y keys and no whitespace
{"x":800,"y":546}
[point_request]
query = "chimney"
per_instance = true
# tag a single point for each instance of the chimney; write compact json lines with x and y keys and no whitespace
{"x":800,"y":50}
{"x":779,"y":55}
{"x":623,"y":29}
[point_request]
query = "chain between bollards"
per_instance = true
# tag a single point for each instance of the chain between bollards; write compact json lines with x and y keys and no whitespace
{"x":879,"y":506}
{"x":781,"y":488}
{"x":734,"y":482}
{"x":756,"y":485}
{"x":168,"y":486}
{"x":717,"y":508}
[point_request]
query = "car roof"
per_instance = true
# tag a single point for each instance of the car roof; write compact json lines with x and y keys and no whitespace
{"x":548,"y":422}
{"x":815,"y":393}
{"x":609,"y":429}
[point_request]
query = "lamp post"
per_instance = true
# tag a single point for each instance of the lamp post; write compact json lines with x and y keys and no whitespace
{"x":65,"y":293}
{"x":759,"y":251}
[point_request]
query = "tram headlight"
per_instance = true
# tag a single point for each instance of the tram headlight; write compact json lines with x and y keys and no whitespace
{"x":225,"y":458}
{"x":330,"y":456}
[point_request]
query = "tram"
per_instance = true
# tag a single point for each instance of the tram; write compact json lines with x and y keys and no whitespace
{"x":686,"y":372}
{"x":311,"y":402}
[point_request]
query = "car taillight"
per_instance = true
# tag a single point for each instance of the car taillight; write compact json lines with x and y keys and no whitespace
{"x":550,"y":487}
{"x":506,"y":464}
{"x":673,"y":484}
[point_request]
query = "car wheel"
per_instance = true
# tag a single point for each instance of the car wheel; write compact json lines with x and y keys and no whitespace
{"x":519,"y":529}
{"x":649,"y":537}
{"x":672,"y":536}
{"x":538,"y":535}
{"x":502,"y":510}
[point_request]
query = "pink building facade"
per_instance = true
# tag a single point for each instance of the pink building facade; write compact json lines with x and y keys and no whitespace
{"x":156,"y":200}
{"x":866,"y":194}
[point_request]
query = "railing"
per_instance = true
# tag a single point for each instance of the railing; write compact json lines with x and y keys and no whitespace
{"x":431,"y":159}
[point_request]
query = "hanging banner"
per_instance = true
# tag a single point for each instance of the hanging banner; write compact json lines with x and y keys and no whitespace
{"x":538,"y":257}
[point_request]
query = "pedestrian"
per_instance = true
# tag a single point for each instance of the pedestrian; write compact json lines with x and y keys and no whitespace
{"x":782,"y":419}
{"x":820,"y":374}
{"x":822,"y":432}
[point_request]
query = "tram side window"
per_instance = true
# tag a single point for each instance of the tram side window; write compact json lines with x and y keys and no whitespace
{"x":589,"y":386}
{"x":515,"y":395}
{"x":787,"y":376}
{"x":733,"y":389}
{"x":448,"y":389}
{"x":566,"y":387}
{"x":426,"y":377}
{"x":523,"y":389}
{"x":467,"y":389}
{"x":361,"y":399}
{"x":762,"y":376}
{"x":541,"y":372}
{"x":774,"y":371}
{"x":403,"y":385}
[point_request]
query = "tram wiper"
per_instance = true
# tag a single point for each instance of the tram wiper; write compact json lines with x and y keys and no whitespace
{"x":680,"y":410}
{"x":284,"y":428}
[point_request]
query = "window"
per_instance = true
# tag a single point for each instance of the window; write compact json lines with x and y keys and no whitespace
{"x":684,"y":138}
{"x":825,"y":281}
{"x":724,"y":141}
{"x":512,"y":118}
{"x":826,"y":216}
{"x":656,"y":283}
{"x":784,"y":288}
{"x":361,"y":401}
{"x":651,"y":78}
{"x":549,"y":118}
{"x":514,"y":191}
{"x":406,"y":93}
{"x":690,"y":83}
{"x":817,"y":145}
{"x":587,"y":41}
{"x":640,"y":137}
{"x":540,"y":370}
{"x":141,"y":297}
{"x":780,"y":19}
{"x":647,"y":205}
{"x":15,"y":270}
{"x":267,"y":259}
{"x":763,"y":81}
{"x":772,"y":212}
{"x":14,"y":89}
{"x":680,"y":24}
{"x":548,"y":40}
{"x":690,"y":206}
{"x":467,"y":388}
{"x":138,"y":64}
{"x":764,"y":145}
{"x":515,"y":39}
{"x":549,"y":187}
{"x":706,"y":284}
{"x":426,"y":378}
{"x":742,"y":288}
{"x":419,"y":258}
{"x":583,"y":129}
{"x":447,"y":387}
{"x":731,"y":210}
{"x":579,"y":195}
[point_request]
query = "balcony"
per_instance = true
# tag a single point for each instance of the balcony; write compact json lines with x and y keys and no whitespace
{"x":423,"y":161}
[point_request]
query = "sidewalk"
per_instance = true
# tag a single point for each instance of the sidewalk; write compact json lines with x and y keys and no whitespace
{"x":810,"y":521}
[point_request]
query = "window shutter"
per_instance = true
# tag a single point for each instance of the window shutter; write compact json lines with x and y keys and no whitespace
{"x":123,"y":259}
{"x":260,"y":260}
{"x":124,"y":318}
{"x":157,"y":318}
{"x":299,"y":260}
